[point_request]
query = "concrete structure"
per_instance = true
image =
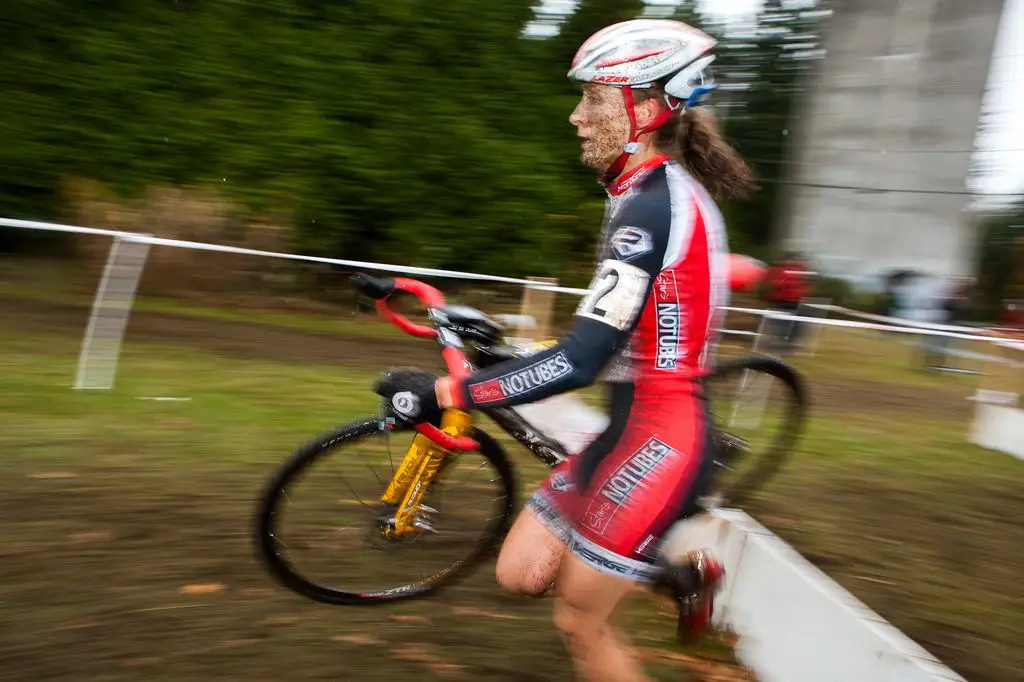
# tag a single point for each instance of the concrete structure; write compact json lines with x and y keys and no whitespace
{"x":795,"y":624}
{"x":895,"y":105}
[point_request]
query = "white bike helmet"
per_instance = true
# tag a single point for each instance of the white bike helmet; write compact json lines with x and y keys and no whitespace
{"x":640,"y":53}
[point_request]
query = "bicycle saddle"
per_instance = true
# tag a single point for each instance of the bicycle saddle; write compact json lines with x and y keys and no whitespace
{"x":467,"y":322}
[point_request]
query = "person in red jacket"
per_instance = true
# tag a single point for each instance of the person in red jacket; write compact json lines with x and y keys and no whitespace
{"x":788,"y":282}
{"x":1012,"y":316}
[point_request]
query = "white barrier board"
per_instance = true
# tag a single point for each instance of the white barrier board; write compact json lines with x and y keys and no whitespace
{"x":795,"y":624}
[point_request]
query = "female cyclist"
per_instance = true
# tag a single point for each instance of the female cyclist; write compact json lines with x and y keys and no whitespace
{"x":591,"y":532}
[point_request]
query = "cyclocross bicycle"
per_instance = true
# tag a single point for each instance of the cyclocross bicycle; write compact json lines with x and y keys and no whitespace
{"x":407,"y":512}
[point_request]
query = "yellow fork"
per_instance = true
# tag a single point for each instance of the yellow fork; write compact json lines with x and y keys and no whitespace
{"x":418,"y":470}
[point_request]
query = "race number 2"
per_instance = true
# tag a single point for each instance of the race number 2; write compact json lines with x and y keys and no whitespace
{"x":616,"y":294}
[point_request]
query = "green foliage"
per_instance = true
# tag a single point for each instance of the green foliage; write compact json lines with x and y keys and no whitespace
{"x":1002,"y":261}
{"x":416,"y":131}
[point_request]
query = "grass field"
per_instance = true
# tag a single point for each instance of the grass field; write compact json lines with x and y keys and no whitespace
{"x":127,"y":521}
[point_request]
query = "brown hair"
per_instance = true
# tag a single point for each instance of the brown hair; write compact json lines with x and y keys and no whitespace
{"x":695,"y":141}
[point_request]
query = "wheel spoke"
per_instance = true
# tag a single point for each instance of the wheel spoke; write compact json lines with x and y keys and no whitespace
{"x":762,"y":399}
{"x":458,"y":519}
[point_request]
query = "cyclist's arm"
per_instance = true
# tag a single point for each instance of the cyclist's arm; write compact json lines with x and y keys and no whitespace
{"x":603,"y":323}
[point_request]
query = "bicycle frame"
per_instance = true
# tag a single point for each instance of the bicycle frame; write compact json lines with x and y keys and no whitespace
{"x":546,"y":449}
{"x":432,"y":447}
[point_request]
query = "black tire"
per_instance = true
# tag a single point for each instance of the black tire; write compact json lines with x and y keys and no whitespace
{"x":286,"y":574}
{"x":783,"y":443}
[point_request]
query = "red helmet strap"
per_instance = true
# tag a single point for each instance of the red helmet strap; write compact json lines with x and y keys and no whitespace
{"x":631,"y":147}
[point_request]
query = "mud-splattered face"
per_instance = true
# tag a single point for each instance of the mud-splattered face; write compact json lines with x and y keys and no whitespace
{"x":602,"y":125}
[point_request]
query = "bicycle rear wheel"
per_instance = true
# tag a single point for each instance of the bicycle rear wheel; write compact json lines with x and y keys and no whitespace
{"x":351,"y":559}
{"x":758,"y":409}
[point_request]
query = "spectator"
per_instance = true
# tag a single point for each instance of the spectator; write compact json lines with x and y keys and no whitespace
{"x":954,"y":308}
{"x":787,"y":283}
{"x":1012,"y":316}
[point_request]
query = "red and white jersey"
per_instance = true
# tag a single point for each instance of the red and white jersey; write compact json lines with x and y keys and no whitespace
{"x":651,"y":311}
{"x":667,"y":225}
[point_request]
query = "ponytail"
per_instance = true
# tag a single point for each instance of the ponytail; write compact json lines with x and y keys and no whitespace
{"x":694,"y":140}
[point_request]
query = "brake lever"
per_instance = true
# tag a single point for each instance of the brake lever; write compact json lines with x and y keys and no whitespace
{"x":377,"y":289}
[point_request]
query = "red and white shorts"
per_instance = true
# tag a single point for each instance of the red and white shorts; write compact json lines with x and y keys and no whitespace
{"x":612,"y":503}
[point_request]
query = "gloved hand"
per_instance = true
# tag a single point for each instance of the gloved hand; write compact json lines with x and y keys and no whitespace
{"x":410,"y":396}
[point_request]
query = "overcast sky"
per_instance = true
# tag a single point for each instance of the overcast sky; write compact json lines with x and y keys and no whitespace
{"x":1001,"y":150}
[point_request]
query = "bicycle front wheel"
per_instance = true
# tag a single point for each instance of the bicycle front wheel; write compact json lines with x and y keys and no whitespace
{"x":758,"y":407}
{"x":321,"y":528}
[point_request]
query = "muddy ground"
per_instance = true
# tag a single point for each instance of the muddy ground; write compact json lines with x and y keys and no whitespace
{"x":72,"y":614}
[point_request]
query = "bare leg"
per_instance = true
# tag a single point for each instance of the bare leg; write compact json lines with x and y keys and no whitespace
{"x":529,"y":558}
{"x":586,"y":600}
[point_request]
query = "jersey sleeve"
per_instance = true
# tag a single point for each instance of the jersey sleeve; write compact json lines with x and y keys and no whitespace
{"x":633,"y":256}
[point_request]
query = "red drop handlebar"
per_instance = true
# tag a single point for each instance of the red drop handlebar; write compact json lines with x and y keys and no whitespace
{"x":428,"y":295}
{"x":744,"y":272}
{"x":451,"y":348}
